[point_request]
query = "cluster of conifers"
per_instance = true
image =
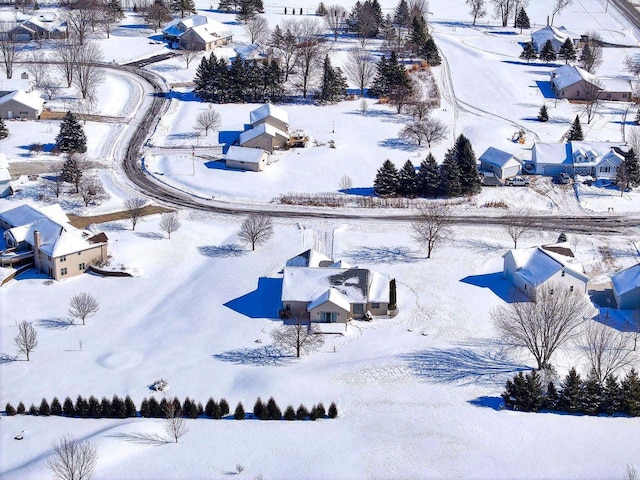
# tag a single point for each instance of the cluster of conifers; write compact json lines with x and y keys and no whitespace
{"x":117,"y":407}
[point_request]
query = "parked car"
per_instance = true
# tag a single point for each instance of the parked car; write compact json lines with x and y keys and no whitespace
{"x":563,"y":178}
{"x":517,"y":182}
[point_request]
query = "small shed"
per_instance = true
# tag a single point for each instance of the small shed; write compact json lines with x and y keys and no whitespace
{"x":626,"y":288}
{"x":241,"y":158}
{"x":502,"y":164}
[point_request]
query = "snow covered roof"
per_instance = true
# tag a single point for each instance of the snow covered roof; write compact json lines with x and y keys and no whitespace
{"x":268,"y":110}
{"x":616,"y":84}
{"x":594,"y":153}
{"x":557,"y":35}
{"x":31,"y":100}
{"x":5,"y":176}
{"x":260,"y":130}
{"x":211,"y":31}
{"x":26,"y":214}
{"x":498,"y":157}
{"x":309,"y":258}
{"x":252,"y":52}
{"x":538,"y":264}
{"x":626,"y":280}
{"x":567,"y":75}
{"x":202,"y":25}
{"x":13,"y":84}
{"x":551,"y":153}
{"x":247,"y":155}
{"x":333,"y":296}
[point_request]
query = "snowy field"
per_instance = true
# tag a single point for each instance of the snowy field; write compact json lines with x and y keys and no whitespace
{"x":418,"y":394}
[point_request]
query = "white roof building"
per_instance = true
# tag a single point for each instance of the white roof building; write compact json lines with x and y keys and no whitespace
{"x":626,"y":288}
{"x":502,"y":164}
{"x":310,"y":258}
{"x":557,"y":35}
{"x":261,"y":129}
{"x":268,"y":110}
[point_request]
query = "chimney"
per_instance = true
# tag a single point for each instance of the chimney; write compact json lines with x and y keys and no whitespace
{"x":37,"y":240}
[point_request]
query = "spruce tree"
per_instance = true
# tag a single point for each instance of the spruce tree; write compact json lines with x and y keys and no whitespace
{"x":429,"y":52}
{"x":56,"y":408}
{"x":302,"y":413}
{"x":612,"y":396}
{"x":145,"y":412}
{"x":380,"y":86}
{"x":515,"y":391}
{"x":238,"y":80}
{"x":628,"y":174}
{"x":522,"y":20}
{"x":333,"y":410}
{"x":224,"y":408}
{"x":402,"y":15}
{"x":73,"y":170}
{"x":543,"y":114}
{"x":593,"y":395}
{"x":419,"y":34}
{"x":289,"y":413}
{"x":182,"y":7}
{"x":154,"y":407}
{"x":334,"y":85}
{"x":118,"y":407}
{"x":575,"y":132}
{"x":567,"y":51}
{"x":71,"y":138}
{"x":320,"y":410}
{"x":211,"y":409}
{"x":386,"y":181}
{"x":467,"y":164}
{"x":94,"y":407}
{"x":273,"y":410}
{"x":428,"y":177}
{"x":533,"y":399}
{"x":259,"y":410}
{"x":105,"y":408}
{"x":9,"y":410}
{"x":550,"y":399}
{"x":407,"y":180}
{"x":630,"y":394}
{"x":67,"y":408}
{"x":321,"y":11}
{"x":20,"y":410}
{"x":33,"y":410}
{"x":238,"y":414}
{"x":528,"y":52}
{"x":450,"y":185}
{"x":45,"y":409}
{"x":82,"y":407}
{"x":4,"y":131}
{"x":130,"y":409}
{"x":571,"y":398}
{"x":548,"y":53}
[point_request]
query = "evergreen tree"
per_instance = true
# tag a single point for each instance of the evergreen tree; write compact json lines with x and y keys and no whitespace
{"x":247,"y":10}
{"x":515,"y":391}
{"x":273,"y":82}
{"x":45,"y":409}
{"x":550,"y":400}
{"x":428,"y":177}
{"x":321,"y":11}
{"x":419,"y":34}
{"x":562,"y":238}
{"x":612,"y":396}
{"x":238,"y":80}
{"x":9,"y":410}
{"x":429,"y":51}
{"x":547,"y":54}
{"x":393,"y":296}
{"x":130,"y":409}
{"x":154,"y":407}
{"x":56,"y":408}
{"x":33,"y":410}
{"x":334,"y":83}
{"x":211,"y":409}
{"x":630,"y":394}
{"x":182,"y":7}
{"x":94,"y":407}
{"x":67,"y":408}
{"x":224,"y":408}
{"x":450,"y":185}
{"x":522,"y":20}
{"x":105,"y":408}
{"x":528,"y":52}
{"x":533,"y":388}
{"x":289,"y":413}
{"x":567,"y":51}
{"x":20,"y":410}
{"x":465,"y":157}
{"x":238,"y":414}
{"x":145,"y":412}
{"x":402,"y":15}
{"x":320,"y":410}
{"x":4,"y":131}
{"x":380,"y":86}
{"x":72,"y":170}
{"x":575,"y":132}
{"x":571,"y":398}
{"x":302,"y":412}
{"x":593,"y":395}
{"x":636,"y":120}
{"x":200,"y":409}
{"x":543,"y":114}
{"x":118,"y":407}
{"x":313,"y":414}
{"x":277,"y":38}
{"x":82,"y":407}
{"x":273,"y":410}
{"x":386,"y":182}
{"x":407,"y":180}
{"x":71,"y":137}
{"x":259,"y":410}
{"x":177,"y":407}
{"x":628,"y":174}
{"x":116,"y":10}
{"x":333,"y":410}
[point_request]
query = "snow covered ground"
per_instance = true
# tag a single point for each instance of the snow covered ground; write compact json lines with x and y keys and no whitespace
{"x":418,"y":394}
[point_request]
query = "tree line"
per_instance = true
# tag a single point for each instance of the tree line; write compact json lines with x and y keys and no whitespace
{"x":456,"y":176}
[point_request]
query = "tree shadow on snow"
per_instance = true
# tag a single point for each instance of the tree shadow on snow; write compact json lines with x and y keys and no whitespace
{"x":398,"y":144}
{"x":384,"y":255}
{"x":5,"y":358}
{"x":267,"y":355}
{"x":59,"y":323}
{"x":464,"y":365}
{"x":263,"y":302}
{"x":218,"y":251}
{"x":142,"y":438}
{"x":496,"y":403}
{"x":494,"y":282}
{"x":150,"y":235}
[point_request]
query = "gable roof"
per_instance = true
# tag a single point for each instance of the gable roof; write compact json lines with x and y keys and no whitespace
{"x":626,"y":280}
{"x":262,"y":129}
{"x":25,"y":214}
{"x":499,"y":158}
{"x":243,"y":154}
{"x":309,"y":258}
{"x":268,"y":110}
{"x":557,"y":35}
{"x":31,"y":100}
{"x":203,"y":26}
{"x":253,"y":52}
{"x":537,"y":264}
{"x":568,"y":75}
{"x":551,"y":153}
{"x":332,"y":296}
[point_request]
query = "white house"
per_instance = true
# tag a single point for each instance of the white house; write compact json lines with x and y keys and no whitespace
{"x":557,"y":35}
{"x":551,"y":158}
{"x":626,"y":288}
{"x":242,"y":158}
{"x":598,"y":159}
{"x":5,"y":177}
{"x":197,"y":32}
{"x":20,"y":104}
{"x":529,"y":268}
{"x":502,"y":164}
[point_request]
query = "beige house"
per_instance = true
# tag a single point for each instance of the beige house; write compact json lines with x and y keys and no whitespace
{"x":197,"y":32}
{"x":574,"y":83}
{"x":38,"y":28}
{"x":241,"y":158}
{"x":21,"y":105}
{"x":331,"y":292}
{"x":272,"y":115}
{"x":265,"y":137}
{"x":44,"y":237}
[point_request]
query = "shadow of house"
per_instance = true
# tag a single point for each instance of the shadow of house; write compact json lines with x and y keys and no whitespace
{"x":602,"y":296}
{"x":546,"y":89}
{"x":228,"y":138}
{"x":494,"y":282}
{"x":263,"y":302}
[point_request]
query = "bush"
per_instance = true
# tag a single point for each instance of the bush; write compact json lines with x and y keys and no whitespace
{"x":238,"y":414}
{"x":9,"y":410}
{"x":333,"y":410}
{"x":302,"y":413}
{"x":289,"y":413}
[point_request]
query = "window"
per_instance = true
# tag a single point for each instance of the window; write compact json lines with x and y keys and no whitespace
{"x":375,"y":305}
{"x":328,"y":317}
{"x":358,"y":308}
{"x":63,"y":271}
{"x":63,"y":258}
{"x":571,"y":288}
{"x":562,"y":273}
{"x":624,"y":95}
{"x":81,"y":266}
{"x":605,"y":169}
{"x":551,"y":292}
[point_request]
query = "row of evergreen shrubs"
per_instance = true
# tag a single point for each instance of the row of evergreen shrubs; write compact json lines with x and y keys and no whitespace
{"x":150,"y":408}
{"x":589,"y":396}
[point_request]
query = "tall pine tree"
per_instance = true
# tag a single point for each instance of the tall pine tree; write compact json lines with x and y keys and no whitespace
{"x":334,"y":84}
{"x":567,"y":51}
{"x":548,"y":53}
{"x":428,"y":178}
{"x":386,"y":182}
{"x":407,"y":185}
{"x":575,"y":132}
{"x":571,"y":397}
{"x":450,"y":185}
{"x":628,"y":174}
{"x":466,"y":158}
{"x":528,"y":52}
{"x":71,"y":138}
{"x":182,"y":7}
{"x":522,"y":20}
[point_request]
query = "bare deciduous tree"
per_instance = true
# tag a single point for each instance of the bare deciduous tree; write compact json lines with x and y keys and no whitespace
{"x":311,"y":49}
{"x":544,"y":323}
{"x":53,"y":184}
{"x":477,"y":8}
{"x":431,"y":227}
{"x":208,"y":120}
{"x":83,"y":305}
{"x":360,"y":68}
{"x":169,"y":223}
{"x":606,"y":349}
{"x":503,"y":10}
{"x":558,"y":7}
{"x":634,"y":325}
{"x":174,"y":425}
{"x":300,"y":336}
{"x":257,"y":29}
{"x":518,"y":224}
{"x":79,"y":21}
{"x":65,"y":55}
{"x":592,"y":97}
{"x":87,"y":73}
{"x":38,"y":66}
{"x":591,"y":55}
{"x":256,"y":229}
{"x":49,"y":86}
{"x":345,"y":183}
{"x":335,"y":19}
{"x":189,"y":53}
{"x":430,"y":130}
{"x":27,"y":338}
{"x":10,"y":53}
{"x":91,"y":190}
{"x":133,"y":207}
{"x":73,"y":460}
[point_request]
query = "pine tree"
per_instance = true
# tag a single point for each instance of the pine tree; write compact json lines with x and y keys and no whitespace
{"x":575,"y":132}
{"x":130,"y":409}
{"x":450,"y":185}
{"x":533,"y":399}
{"x":543,"y":114}
{"x":320,"y":410}
{"x":313,"y":413}
{"x":386,"y":182}
{"x":4,"y":131}
{"x":528,"y":52}
{"x":515,"y":391}
{"x":612,"y":396}
{"x":9,"y":410}
{"x":211,"y":409}
{"x":548,"y":53}
{"x":238,"y":414}
{"x":105,"y":408}
{"x":467,"y":164}
{"x":45,"y":409}
{"x":56,"y":408}
{"x":571,"y":398}
{"x":259,"y":410}
{"x":380,"y":86}
{"x":72,"y":170}
{"x":321,"y":11}
{"x":402,"y":15}
{"x":116,"y":10}
{"x":593,"y":395}
{"x":118,"y":407}
{"x":71,"y":137}
{"x":182,"y":7}
{"x":273,"y":410}
{"x":177,"y":406}
{"x":630,"y":394}
{"x":33,"y":410}
{"x":238,"y":80}
{"x":522,"y":20}
{"x":302,"y":413}
{"x":20,"y":410}
{"x":419,"y":34}
{"x":567,"y":51}
{"x":428,"y":177}
{"x":82,"y":407}
{"x":274,"y":82}
{"x":407,"y":180}
{"x":550,"y":399}
{"x":289,"y":413}
{"x":145,"y":412}
{"x":334,"y":84}
{"x":224,"y":408}
{"x":94,"y":407}
{"x":333,"y":410}
{"x":636,"y":120}
{"x":67,"y":408}
{"x":154,"y":407}
{"x":628,"y":174}
{"x":429,"y":52}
